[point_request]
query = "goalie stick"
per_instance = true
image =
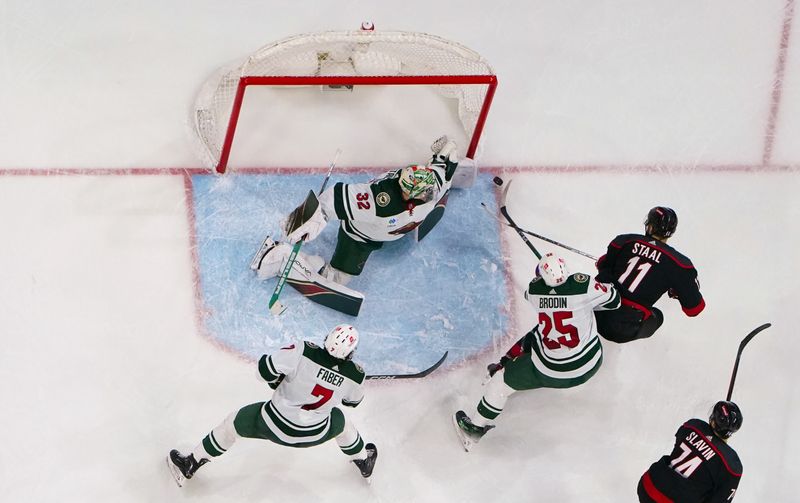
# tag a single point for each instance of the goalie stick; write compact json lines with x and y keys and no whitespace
{"x":499,"y":181}
{"x":303,"y":211}
{"x":424,"y":373}
{"x":744,"y":342}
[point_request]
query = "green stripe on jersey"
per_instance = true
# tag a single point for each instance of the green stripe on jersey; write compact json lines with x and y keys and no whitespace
{"x":291,"y":429}
{"x":569,"y":363}
{"x":267,"y":369}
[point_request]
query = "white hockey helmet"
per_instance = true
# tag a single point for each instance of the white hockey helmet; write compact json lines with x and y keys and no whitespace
{"x":418,"y":182}
{"x":341,"y":341}
{"x":552,"y":269}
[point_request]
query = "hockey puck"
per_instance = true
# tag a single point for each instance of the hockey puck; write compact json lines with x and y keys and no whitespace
{"x":497,"y":180}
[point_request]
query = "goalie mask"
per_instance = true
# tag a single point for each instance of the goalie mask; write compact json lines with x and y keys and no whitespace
{"x":341,"y":342}
{"x":553,"y":270}
{"x":418,"y":182}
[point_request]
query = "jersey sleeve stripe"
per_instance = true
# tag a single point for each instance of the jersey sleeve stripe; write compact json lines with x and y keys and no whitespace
{"x":267,"y":369}
{"x":339,"y":201}
{"x":694,"y":311}
{"x":614,"y":302}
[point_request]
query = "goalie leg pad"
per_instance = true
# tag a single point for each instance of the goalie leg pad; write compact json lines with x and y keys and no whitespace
{"x":306,"y":280}
{"x":272,"y":262}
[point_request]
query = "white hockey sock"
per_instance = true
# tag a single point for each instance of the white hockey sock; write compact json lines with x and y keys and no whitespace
{"x":218,"y":441}
{"x":350,"y":442}
{"x":494,"y":399}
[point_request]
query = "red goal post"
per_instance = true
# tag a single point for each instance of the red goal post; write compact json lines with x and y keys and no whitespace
{"x":343,"y":59}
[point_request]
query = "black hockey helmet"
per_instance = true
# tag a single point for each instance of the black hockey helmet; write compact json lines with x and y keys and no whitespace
{"x":726,"y":419}
{"x":662,"y":221}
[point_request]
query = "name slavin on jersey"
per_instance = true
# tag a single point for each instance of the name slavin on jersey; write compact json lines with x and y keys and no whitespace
{"x":700,"y":444}
{"x":330,"y":377}
{"x":647,"y":252}
{"x":552,"y":302}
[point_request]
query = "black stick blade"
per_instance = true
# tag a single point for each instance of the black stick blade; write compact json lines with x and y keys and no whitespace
{"x":424,"y":373}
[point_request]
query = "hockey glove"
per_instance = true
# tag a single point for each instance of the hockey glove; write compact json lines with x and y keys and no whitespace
{"x":308,"y":230}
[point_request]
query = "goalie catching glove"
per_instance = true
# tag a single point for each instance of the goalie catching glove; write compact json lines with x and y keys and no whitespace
{"x":306,"y":221}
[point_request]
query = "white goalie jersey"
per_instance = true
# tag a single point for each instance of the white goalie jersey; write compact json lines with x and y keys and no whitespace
{"x":376,"y":210}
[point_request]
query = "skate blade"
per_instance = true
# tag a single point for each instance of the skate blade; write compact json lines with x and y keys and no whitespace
{"x":176,"y":473}
{"x":256,"y":260}
{"x":466,"y":441}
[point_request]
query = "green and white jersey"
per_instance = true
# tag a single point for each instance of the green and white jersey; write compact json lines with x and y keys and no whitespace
{"x":566,"y":343}
{"x":313,"y":383}
{"x":376,"y":211}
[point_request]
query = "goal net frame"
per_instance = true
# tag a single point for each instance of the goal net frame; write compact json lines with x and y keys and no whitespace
{"x":342,"y":60}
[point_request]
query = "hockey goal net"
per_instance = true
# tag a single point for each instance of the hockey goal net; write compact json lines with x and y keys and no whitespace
{"x":343,"y":60}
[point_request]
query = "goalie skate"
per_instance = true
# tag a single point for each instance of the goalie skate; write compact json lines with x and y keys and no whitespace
{"x":266,"y":246}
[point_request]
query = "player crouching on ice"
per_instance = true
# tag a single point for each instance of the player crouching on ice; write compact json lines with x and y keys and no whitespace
{"x":562,"y":351}
{"x":308,"y":382}
{"x":372,"y":213}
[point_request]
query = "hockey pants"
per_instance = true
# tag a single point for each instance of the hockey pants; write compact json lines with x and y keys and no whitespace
{"x":627,"y":324}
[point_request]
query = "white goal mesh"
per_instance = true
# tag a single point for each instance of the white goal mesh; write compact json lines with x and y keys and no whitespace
{"x":343,"y":59}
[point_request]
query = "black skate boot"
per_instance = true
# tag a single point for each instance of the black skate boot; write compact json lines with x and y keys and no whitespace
{"x":368,"y":464}
{"x":183,"y":467}
{"x":468,"y":432}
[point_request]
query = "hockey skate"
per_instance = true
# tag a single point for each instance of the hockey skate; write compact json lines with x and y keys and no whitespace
{"x":183,"y":467}
{"x":266,"y":246}
{"x":468,"y":432}
{"x":368,"y":464}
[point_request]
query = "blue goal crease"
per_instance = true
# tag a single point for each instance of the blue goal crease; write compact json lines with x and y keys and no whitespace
{"x":446,"y":293}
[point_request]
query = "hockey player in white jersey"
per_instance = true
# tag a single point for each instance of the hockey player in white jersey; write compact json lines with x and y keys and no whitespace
{"x":309,"y":383}
{"x":562,"y":351}
{"x":372,"y":213}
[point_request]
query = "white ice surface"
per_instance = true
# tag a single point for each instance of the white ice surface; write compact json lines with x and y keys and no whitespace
{"x":103,"y":369}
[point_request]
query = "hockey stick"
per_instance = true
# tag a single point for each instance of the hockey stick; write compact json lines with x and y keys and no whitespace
{"x":499,"y":181}
{"x":275,"y":307}
{"x":503,"y":211}
{"x":424,"y":373}
{"x":744,"y":342}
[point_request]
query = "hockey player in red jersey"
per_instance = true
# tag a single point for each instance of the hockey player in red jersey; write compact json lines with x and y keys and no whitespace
{"x":702,"y":467}
{"x":644,"y":267}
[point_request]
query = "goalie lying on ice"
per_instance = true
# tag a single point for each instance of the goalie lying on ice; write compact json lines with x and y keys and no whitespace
{"x":383,"y":209}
